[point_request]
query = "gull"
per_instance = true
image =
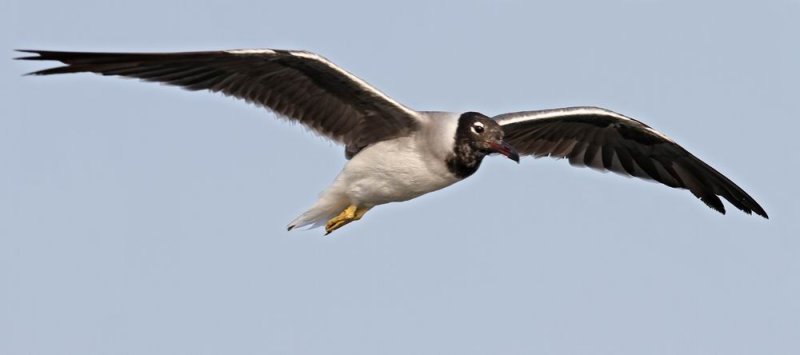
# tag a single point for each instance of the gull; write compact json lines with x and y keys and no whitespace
{"x":396,"y":153}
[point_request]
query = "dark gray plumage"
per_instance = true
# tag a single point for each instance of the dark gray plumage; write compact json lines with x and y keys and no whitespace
{"x":299,"y":85}
{"x":606,"y":140}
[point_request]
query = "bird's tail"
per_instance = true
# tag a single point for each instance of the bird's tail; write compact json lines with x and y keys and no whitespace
{"x":327,"y":207}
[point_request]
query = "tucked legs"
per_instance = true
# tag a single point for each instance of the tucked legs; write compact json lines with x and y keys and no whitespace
{"x":351,"y":213}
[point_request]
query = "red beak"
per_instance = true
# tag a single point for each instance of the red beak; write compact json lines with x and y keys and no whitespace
{"x":505,"y":149}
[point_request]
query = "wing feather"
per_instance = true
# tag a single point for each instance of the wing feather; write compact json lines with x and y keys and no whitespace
{"x":298,"y":85}
{"x":606,"y":140}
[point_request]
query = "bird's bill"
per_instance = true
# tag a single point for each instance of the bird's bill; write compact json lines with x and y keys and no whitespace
{"x":504,"y":148}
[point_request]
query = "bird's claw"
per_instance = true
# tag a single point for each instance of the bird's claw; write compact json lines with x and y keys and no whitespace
{"x":347,"y":216}
{"x":350,"y":214}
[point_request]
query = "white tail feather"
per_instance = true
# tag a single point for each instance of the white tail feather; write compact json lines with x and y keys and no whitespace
{"x":324,"y":209}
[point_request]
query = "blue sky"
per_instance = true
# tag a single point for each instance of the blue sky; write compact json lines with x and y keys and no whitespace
{"x":142,"y":219}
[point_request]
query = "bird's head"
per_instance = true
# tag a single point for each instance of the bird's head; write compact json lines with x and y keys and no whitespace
{"x":483,"y":135}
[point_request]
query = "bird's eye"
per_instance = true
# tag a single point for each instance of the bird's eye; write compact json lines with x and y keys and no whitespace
{"x":478,"y":128}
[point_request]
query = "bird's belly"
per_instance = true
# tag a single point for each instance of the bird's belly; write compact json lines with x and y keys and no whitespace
{"x":393,"y":171}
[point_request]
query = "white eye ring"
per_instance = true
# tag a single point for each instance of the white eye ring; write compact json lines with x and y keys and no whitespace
{"x":477,"y":127}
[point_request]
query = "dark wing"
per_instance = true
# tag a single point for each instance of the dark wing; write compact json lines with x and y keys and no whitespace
{"x":605,"y":140}
{"x":299,"y":85}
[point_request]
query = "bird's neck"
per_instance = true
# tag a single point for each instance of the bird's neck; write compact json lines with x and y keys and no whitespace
{"x":464,"y":160}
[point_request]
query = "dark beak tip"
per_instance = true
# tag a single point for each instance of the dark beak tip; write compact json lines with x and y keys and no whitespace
{"x":505,"y":149}
{"x":510,"y":152}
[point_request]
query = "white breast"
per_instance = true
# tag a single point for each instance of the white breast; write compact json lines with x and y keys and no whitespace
{"x":403,"y":168}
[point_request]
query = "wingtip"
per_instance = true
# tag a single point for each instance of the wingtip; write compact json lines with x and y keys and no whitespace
{"x":752,"y":207}
{"x":37,"y":56}
{"x":759,"y":210}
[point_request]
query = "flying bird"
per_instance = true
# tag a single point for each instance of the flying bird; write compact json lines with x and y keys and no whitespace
{"x":396,"y":153}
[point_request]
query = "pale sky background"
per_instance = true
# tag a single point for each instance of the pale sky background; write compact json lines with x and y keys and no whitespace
{"x":143,"y":219}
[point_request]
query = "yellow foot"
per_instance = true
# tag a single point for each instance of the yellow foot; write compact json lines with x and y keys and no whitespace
{"x":351,"y":213}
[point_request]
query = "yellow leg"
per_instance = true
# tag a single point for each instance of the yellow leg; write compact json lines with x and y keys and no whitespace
{"x":351,"y":213}
{"x":360,"y":212}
